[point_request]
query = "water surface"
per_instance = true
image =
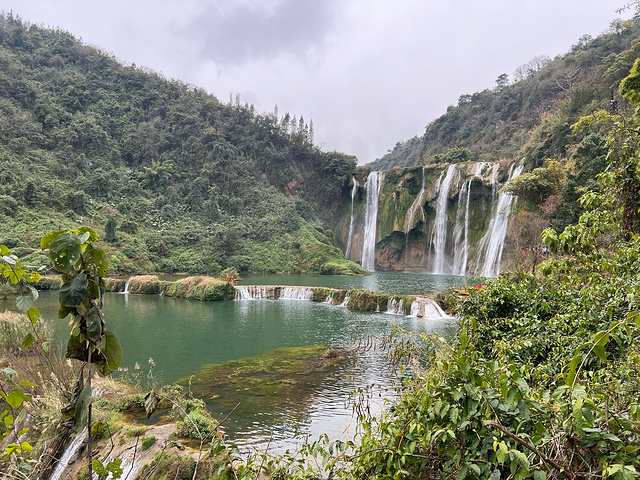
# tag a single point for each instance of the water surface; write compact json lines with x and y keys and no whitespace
{"x":399,"y":283}
{"x":169,"y":340}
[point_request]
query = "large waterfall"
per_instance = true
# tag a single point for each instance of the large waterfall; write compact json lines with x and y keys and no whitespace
{"x":459,"y":209}
{"x":442,"y":220}
{"x":461,"y":231}
{"x":492,"y":243}
{"x":372,"y":189}
{"x":350,"y":237}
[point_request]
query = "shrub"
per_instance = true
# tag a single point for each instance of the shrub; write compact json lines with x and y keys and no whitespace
{"x":205,"y":423}
{"x":147,"y":441}
{"x":145,"y":284}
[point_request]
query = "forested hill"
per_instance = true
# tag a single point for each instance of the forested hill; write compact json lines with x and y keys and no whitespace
{"x":175,"y":179}
{"x":531,"y":114}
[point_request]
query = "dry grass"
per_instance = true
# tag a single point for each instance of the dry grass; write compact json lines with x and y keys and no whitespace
{"x":52,"y":373}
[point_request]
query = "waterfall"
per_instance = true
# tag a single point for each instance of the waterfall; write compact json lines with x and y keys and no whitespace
{"x":372,"y":189}
{"x":442,"y":220}
{"x":427,"y":308}
{"x":251,"y":292}
{"x":68,"y":453}
{"x":345,"y":303}
{"x":296,"y":293}
{"x":126,"y":288}
{"x":432,"y":310}
{"x":492,"y":242}
{"x":350,"y":236}
{"x":395,"y":307}
{"x":273,"y":292}
{"x":461,"y":231}
{"x":494,"y":177}
{"x":411,"y":213}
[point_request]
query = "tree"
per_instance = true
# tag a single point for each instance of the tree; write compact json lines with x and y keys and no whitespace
{"x":501,"y":82}
{"x":83,"y":266}
{"x":110,"y":230}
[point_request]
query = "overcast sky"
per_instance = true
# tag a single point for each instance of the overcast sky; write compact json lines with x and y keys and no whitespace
{"x":369,"y":73}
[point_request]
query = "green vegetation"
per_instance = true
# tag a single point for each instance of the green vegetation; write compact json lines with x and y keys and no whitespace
{"x":453,"y":155}
{"x":542,"y":379}
{"x":173,"y":179}
{"x":540,"y":382}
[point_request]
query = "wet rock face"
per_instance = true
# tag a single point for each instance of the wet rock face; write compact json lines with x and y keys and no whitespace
{"x":423,"y":226}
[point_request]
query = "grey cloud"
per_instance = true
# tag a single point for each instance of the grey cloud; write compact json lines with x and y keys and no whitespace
{"x":237,"y":32}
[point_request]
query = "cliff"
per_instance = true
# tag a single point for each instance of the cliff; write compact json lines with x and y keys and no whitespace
{"x":442,"y":219}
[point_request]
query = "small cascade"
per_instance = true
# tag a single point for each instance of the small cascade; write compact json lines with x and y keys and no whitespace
{"x":68,"y":453}
{"x":350,"y":236}
{"x":417,"y":205}
{"x":345,"y":303}
{"x":415,"y":308}
{"x":126,"y":288}
{"x":432,"y":310}
{"x":372,"y":189}
{"x":442,"y":220}
{"x":461,"y":231}
{"x":428,"y":308}
{"x":273,"y":292}
{"x":492,"y":243}
{"x":395,"y":307}
{"x":251,"y":292}
{"x":296,"y":293}
{"x":329,"y":299}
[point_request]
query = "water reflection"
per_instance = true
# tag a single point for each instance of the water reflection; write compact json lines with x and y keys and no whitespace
{"x":400,"y":283}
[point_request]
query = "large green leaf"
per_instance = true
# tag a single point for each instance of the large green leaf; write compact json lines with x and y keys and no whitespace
{"x":64,"y":311}
{"x":111,"y":353}
{"x":16,"y":397}
{"x":98,"y":258}
{"x":77,"y":347}
{"x":75,"y":292}
{"x":45,"y":242}
{"x":82,"y":406}
{"x":94,"y":325}
{"x":93,"y":235}
{"x":24,"y":302}
{"x":65,"y":250}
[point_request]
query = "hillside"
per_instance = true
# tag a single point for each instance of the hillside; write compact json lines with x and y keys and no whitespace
{"x":530,"y":115}
{"x":173,"y":178}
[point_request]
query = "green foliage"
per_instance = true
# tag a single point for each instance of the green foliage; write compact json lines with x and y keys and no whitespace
{"x":453,"y":155}
{"x":147,"y":441}
{"x":191,"y":181}
{"x":540,"y":184}
{"x":110,"y":231}
{"x":199,"y":424}
{"x":83,"y":265}
{"x":15,"y":453}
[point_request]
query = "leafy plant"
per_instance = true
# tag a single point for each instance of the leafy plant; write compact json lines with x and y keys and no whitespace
{"x":83,"y":266}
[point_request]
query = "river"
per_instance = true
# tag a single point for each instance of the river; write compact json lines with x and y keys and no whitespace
{"x":283,"y":389}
